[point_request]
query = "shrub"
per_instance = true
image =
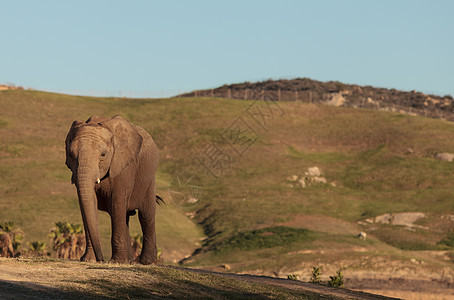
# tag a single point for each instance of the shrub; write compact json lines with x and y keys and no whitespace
{"x":37,"y":248}
{"x":315,"y":275}
{"x":337,"y":280}
{"x":265,"y":238}
{"x":292,"y":277}
{"x":447,"y":241}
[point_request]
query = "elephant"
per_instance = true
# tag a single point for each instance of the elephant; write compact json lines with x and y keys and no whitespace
{"x":113,"y":164}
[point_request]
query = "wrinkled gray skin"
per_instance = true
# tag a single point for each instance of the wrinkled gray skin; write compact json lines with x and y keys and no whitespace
{"x":113,"y":166}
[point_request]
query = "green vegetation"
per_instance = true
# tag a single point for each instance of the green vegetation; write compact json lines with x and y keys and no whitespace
{"x":374,"y":163}
{"x":68,"y":240}
{"x":265,"y":238}
{"x":292,"y":277}
{"x":10,"y":239}
{"x":315,"y":275}
{"x":336,"y":280}
{"x":37,"y":248}
{"x":3,"y":124}
{"x":448,"y":240}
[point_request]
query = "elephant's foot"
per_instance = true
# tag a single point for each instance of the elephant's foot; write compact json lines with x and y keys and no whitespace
{"x":148,"y":259}
{"x":120,"y":259}
{"x":88,"y":256}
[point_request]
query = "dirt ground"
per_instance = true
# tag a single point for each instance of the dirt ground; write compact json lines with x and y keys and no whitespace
{"x":22,"y":279}
{"x":406,"y":279}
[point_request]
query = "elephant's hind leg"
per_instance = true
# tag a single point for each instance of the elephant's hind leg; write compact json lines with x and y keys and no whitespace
{"x":147,"y":222}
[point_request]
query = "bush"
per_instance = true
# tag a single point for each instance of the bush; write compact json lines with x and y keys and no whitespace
{"x":315,"y":275}
{"x":37,"y":249}
{"x":265,"y":238}
{"x":292,"y":277}
{"x":447,"y":241}
{"x":337,"y":280}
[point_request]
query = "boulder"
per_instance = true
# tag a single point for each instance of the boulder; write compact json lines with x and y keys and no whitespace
{"x":292,"y":178}
{"x":336,"y":99}
{"x":314,"y":171}
{"x":445,"y":156}
{"x":318,"y":179}
{"x":302,"y":182}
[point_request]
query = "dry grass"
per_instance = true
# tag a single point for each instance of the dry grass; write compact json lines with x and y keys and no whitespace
{"x":379,"y":162}
{"x":57,"y":279}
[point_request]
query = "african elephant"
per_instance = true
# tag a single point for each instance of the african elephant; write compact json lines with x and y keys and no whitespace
{"x":113,"y":166}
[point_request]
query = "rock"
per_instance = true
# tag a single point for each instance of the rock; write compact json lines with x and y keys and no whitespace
{"x":371,"y":101}
{"x":192,"y":200}
{"x":191,"y":215}
{"x":292,"y":178}
{"x":407,"y":219}
{"x":336,"y":99}
{"x":445,"y":156}
{"x":414,"y":261}
{"x":448,"y":217}
{"x":302,"y":182}
{"x":383,"y":219}
{"x":314,"y":171}
{"x":318,"y":179}
{"x":404,"y":219}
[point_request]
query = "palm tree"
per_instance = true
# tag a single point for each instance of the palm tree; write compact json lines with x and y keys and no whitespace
{"x":136,"y":244}
{"x":10,"y":239}
{"x":37,"y":248}
{"x":68,"y":240}
{"x":77,"y":240}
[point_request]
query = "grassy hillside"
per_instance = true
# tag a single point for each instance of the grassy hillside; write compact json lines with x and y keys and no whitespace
{"x":57,"y":279}
{"x":35,"y":189}
{"x":234,"y":160}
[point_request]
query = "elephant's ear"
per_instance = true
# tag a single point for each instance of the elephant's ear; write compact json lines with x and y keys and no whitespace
{"x":69,"y":138}
{"x":127,"y":143}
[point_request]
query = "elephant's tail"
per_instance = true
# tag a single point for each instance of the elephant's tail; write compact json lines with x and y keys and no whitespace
{"x":159,"y":200}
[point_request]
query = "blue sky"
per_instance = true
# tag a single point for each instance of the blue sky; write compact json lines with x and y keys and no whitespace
{"x":184,"y":45}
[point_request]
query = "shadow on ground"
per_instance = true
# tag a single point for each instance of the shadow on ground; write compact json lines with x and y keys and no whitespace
{"x":25,"y":290}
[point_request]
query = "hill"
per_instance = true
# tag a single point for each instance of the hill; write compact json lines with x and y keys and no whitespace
{"x":57,"y":279}
{"x":259,"y":187}
{"x":337,"y":94}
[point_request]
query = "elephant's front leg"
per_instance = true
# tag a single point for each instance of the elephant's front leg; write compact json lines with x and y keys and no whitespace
{"x":120,"y":234}
{"x":89,"y":254}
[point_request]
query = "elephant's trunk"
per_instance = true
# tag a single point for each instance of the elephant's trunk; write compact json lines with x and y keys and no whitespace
{"x":86,"y":176}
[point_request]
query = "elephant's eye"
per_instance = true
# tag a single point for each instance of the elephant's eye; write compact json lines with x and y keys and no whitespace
{"x":103,"y":153}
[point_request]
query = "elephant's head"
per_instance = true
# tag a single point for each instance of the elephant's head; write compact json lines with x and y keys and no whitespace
{"x":96,"y":150}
